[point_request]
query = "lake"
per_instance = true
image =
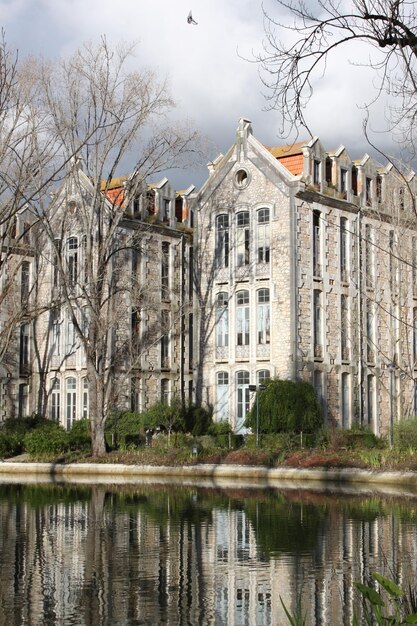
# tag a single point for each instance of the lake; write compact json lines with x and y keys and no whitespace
{"x":157,"y":553}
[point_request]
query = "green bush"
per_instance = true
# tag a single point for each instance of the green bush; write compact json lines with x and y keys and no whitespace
{"x":11,"y":444}
{"x":80,"y":436}
{"x":22,"y":425}
{"x":197,"y":420}
{"x":286,"y":406}
{"x":50,"y":438}
{"x":126,"y":428}
{"x":405,"y":434}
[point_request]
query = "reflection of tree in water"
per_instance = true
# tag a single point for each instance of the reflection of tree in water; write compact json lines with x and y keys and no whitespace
{"x":284,"y":526}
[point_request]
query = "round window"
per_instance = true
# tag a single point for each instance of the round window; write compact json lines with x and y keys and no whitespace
{"x":241,"y":178}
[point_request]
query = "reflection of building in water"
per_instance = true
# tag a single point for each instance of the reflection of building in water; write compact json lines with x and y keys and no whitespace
{"x":176,"y":560}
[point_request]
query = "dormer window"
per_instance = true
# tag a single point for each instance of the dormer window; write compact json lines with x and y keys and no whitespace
{"x":378,"y":182}
{"x":316,"y":172}
{"x":165,"y":210}
{"x":328,"y":171}
{"x":368,"y":193}
{"x":343,"y":182}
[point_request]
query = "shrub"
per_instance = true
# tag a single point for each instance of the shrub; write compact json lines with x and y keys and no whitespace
{"x":405,"y":435}
{"x":50,"y":438}
{"x":11,"y":444}
{"x":127,"y":428}
{"x":286,"y":406}
{"x":80,"y":436}
{"x":22,"y":425}
{"x":197,"y":420}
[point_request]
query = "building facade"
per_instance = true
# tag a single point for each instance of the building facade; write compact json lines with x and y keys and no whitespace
{"x":292,"y":262}
{"x":313,"y":277}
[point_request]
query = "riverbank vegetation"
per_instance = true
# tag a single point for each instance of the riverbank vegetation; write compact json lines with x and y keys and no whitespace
{"x":171,"y":436}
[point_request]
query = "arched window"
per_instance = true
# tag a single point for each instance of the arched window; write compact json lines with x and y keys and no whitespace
{"x":165,"y":391}
{"x":85,"y":397}
{"x":345,"y":400}
{"x":222,"y":320}
{"x":72,"y":260}
{"x":55,"y":399}
{"x":222,"y":240}
{"x":222,"y":393}
{"x":242,"y":238}
{"x":242,"y":318}
{"x":262,"y":376}
{"x":71,"y":388}
{"x":264,"y":320}
{"x":262,"y":235}
{"x":242,"y":399}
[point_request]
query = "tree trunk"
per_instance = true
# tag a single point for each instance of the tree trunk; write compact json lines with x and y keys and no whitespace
{"x":97,"y":411}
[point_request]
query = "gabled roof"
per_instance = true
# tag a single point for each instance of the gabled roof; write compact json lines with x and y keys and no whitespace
{"x":290,"y":155}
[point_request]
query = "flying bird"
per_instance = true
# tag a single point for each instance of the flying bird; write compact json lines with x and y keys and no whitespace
{"x":191,"y":20}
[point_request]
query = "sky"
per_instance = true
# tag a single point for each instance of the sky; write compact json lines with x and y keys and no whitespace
{"x":207,"y":66}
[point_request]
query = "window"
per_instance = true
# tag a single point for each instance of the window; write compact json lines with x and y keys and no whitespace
{"x":263,"y":236}
{"x":222,"y":320}
{"x":378,"y":185}
{"x":344,"y":327}
{"x":328,"y":171}
{"x":318,"y":385}
{"x":355,"y":180}
{"x":55,"y":259}
{"x":392,"y":261}
{"x":368,"y":191}
{"x":317,"y":324}
{"x":343,"y":181}
{"x":401,"y":198}
{"x":71,"y":384}
{"x":344,"y":249}
{"x":242,"y":238}
{"x":242,"y":408}
{"x":222,"y":240}
{"x":369,"y":257}
{"x":85,"y":398}
{"x":165,"y":391}
{"x":56,"y":332}
{"x":242,"y":318}
{"x":55,"y":400}
{"x":165,"y":328}
{"x":190,"y":341}
{"x":370,"y":331}
{"x":165,"y":271}
{"x":345,"y":400}
{"x":24,"y":282}
{"x":24,"y":350}
{"x":241,"y":179}
{"x":222,"y":393}
{"x":190,"y":272}
{"x":316,"y":172}
{"x":264,"y":333}
{"x":70,"y":339}
{"x":371,"y":399}
{"x":23,"y":400}
{"x":165,"y":209}
{"x":72,"y":261}
{"x":414,"y":265}
{"x":316,"y":244}
{"x":262,"y":376}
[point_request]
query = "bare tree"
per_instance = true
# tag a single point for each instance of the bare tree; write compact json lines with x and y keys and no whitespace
{"x":103,"y":113}
{"x":317,"y":30}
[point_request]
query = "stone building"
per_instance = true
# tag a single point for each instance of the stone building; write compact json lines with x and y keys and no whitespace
{"x":309,"y":268}
{"x":144,"y":340}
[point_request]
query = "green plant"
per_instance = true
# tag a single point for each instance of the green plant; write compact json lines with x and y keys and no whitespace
{"x":79,"y":436}
{"x":11,"y":444}
{"x":297,"y":618}
{"x":48,"y":439}
{"x":405,"y":434}
{"x":374,"y":606}
{"x":286,"y":406}
{"x":197,"y":420}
